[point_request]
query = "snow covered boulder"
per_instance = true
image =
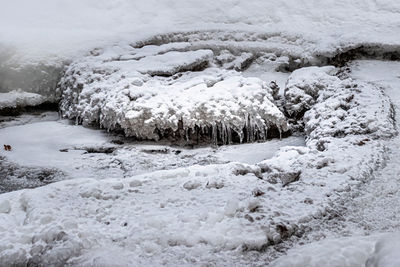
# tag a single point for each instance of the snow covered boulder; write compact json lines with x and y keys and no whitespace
{"x":335,"y":107}
{"x":303,"y":86}
{"x":167,"y":91}
{"x":19,"y":99}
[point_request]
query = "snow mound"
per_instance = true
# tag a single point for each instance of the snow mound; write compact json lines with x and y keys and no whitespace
{"x":344,"y":159}
{"x":338,"y":107}
{"x":19,"y":99}
{"x":124,"y":88}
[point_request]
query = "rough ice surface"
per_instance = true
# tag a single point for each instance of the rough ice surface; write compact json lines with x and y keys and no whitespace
{"x":38,"y":150}
{"x":123,"y":88}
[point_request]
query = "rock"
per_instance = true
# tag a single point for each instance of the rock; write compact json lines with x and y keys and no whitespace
{"x":285,"y":177}
{"x":190,"y":185}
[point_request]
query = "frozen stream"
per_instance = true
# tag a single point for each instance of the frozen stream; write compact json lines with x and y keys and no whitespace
{"x":44,"y":141}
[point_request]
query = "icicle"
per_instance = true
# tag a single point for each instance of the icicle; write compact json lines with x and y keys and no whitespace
{"x":214,"y":135}
{"x":187,"y":134}
{"x":240,"y":133}
{"x":229,"y":130}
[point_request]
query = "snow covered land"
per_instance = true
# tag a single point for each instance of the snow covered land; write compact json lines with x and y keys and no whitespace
{"x":199,"y":133}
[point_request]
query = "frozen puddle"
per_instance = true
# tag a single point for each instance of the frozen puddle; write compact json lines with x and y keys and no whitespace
{"x":83,"y":152}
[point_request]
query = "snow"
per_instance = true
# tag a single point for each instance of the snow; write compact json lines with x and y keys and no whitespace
{"x":386,"y":252}
{"x":70,"y":27}
{"x":45,"y":141}
{"x":378,"y":250}
{"x":194,"y":214}
{"x":18,"y":99}
{"x":372,"y":210}
{"x":184,"y":65}
{"x":125,"y":94}
{"x":344,"y":252}
{"x":37,"y":40}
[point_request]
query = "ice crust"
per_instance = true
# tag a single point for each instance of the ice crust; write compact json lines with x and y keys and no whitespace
{"x":124,"y":88}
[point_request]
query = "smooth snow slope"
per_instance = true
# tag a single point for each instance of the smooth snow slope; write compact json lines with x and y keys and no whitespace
{"x":47,"y":29}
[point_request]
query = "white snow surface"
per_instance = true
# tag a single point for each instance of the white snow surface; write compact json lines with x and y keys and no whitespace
{"x":38,"y":143}
{"x":37,"y":39}
{"x":61,"y":28}
{"x":116,"y":89}
{"x":373,"y":216}
{"x":18,"y":99}
{"x":216,"y":213}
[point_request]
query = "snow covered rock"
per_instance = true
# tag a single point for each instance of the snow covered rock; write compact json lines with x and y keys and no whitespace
{"x":123,"y":88}
{"x":335,"y":107}
{"x":19,"y":99}
{"x":302,"y":88}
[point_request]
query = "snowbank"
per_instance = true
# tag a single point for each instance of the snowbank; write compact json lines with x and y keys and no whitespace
{"x":19,"y":99}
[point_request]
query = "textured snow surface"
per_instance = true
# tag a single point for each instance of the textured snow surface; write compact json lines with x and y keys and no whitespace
{"x":122,"y":88}
{"x":339,"y":107}
{"x":85,"y":152}
{"x":37,"y":39}
{"x":375,"y":208}
{"x":343,"y":252}
{"x":239,"y":208}
{"x":18,"y":99}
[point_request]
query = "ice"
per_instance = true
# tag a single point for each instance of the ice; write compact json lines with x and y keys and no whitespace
{"x":215,"y":104}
